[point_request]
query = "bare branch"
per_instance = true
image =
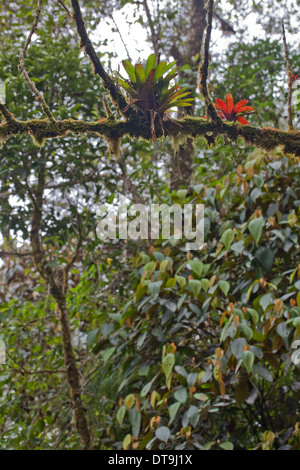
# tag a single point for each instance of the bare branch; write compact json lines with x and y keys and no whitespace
{"x":203,"y":70}
{"x":38,"y":96}
{"x":225,"y":27}
{"x":69,"y":265}
{"x":47,"y":273}
{"x":290,"y":77}
{"x":23,"y":369}
{"x":121,"y":37}
{"x":154,"y":34}
{"x":86,"y":44}
{"x":14,"y":253}
{"x":65,"y":8}
{"x":137,"y":198}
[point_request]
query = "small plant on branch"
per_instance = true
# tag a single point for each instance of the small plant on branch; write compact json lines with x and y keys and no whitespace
{"x":149,"y":90}
{"x":233,"y":112}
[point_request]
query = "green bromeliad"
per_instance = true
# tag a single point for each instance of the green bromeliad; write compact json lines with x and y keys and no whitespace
{"x":150,"y":92}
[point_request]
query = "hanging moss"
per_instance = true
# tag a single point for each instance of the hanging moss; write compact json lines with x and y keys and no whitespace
{"x":177,"y":140}
{"x":114,"y":147}
{"x":38,"y":139}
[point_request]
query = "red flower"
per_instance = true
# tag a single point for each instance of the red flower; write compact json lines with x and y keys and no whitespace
{"x":233,"y":112}
{"x":294,"y":77}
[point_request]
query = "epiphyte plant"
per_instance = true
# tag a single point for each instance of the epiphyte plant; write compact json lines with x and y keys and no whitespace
{"x":150,"y":92}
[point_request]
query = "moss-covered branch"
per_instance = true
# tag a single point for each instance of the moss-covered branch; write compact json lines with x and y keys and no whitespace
{"x":86,"y":44}
{"x":40,"y":129}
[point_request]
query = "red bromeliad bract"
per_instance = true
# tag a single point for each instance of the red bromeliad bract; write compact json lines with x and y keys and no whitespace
{"x":232,"y":112}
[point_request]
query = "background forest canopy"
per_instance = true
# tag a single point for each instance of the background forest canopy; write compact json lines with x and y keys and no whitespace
{"x":138,"y":344}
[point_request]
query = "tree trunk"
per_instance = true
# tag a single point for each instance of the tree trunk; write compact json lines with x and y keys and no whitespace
{"x":181,"y":165}
{"x":58,"y":294}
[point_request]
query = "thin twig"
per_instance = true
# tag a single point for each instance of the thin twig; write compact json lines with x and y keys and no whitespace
{"x":203,"y":70}
{"x":14,"y":253}
{"x":154,"y":35}
{"x":43,"y":371}
{"x":121,"y":37}
{"x":38,"y":96}
{"x":31,"y":372}
{"x":290,"y":77}
{"x":65,"y":8}
{"x":137,"y":198}
{"x":69,"y":265}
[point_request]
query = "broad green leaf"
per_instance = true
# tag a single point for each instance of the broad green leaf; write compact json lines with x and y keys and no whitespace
{"x":163,"y":433}
{"x":135,"y":419}
{"x":246,"y":330}
{"x":150,"y":64}
{"x":255,"y":228}
{"x":237,"y":346}
{"x":91,"y":336}
{"x":248,"y":360}
{"x":150,"y":267}
{"x":181,"y":280}
{"x":121,"y":414}
{"x":154,"y":288}
{"x":266,"y":258}
{"x":254,"y":315}
{"x":130,"y":70}
{"x":201,"y":396}
{"x":127,"y":441}
{"x":224,"y":286}
{"x":226,"y":445}
{"x":129,"y":401}
{"x":155,"y":396}
{"x":173,"y":410}
{"x":140,"y":74}
{"x":167,"y":367}
{"x":181,"y":193}
{"x":265,"y":301}
{"x":146,"y":389}
{"x":191,"y":378}
{"x":108,"y":353}
{"x":159,"y":71}
{"x":181,"y":371}
{"x":181,"y":395}
{"x":163,"y":265}
{"x":195,"y":286}
{"x":227,"y":238}
{"x":132,"y":92}
{"x":196,"y":266}
{"x":171,"y":282}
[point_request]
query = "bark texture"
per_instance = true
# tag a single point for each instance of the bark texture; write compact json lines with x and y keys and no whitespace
{"x":58,"y":294}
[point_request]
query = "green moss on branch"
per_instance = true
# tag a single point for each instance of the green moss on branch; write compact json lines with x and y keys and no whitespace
{"x":266,"y":138}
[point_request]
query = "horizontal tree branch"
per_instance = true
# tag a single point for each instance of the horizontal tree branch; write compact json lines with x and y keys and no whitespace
{"x":22,"y":370}
{"x":266,"y":138}
{"x":14,"y":253}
